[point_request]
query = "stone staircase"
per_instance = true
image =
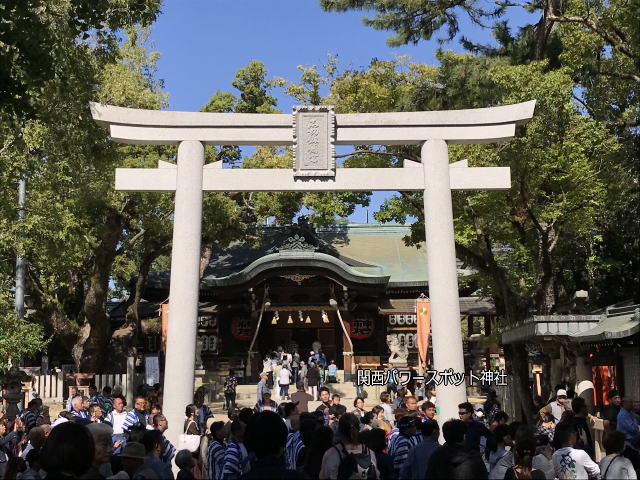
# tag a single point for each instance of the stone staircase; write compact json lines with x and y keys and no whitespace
{"x":246,"y":395}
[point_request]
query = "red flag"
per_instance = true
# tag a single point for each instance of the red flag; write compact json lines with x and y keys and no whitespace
{"x":423,"y":320}
{"x":164,"y":316}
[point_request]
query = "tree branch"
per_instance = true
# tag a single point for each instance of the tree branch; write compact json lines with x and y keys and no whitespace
{"x":513,"y":4}
{"x":611,"y":37}
{"x":584,"y":104}
{"x":133,"y":240}
{"x":624,"y":76}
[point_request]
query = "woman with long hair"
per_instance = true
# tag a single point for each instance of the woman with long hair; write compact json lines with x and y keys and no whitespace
{"x":191,"y":422}
{"x":380,"y":419}
{"x":523,"y":470}
{"x":348,"y":428}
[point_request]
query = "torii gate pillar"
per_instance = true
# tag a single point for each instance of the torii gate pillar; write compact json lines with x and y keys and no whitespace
{"x":184,"y":290}
{"x":446,"y":335}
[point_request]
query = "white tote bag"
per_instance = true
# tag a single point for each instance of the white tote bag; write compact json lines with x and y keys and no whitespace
{"x":188,"y":442}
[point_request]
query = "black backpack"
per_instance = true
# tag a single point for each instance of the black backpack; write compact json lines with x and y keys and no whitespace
{"x":356,"y":466}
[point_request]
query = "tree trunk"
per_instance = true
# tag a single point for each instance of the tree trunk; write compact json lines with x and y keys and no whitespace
{"x":125,"y":339}
{"x":52,"y":312}
{"x":543,"y":28}
{"x":518,"y":364}
{"x":90,"y":349}
{"x":545,"y":296}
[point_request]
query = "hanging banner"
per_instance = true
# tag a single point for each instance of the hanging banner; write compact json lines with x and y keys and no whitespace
{"x":151,"y":369}
{"x":164,"y":318}
{"x":361,"y":326}
{"x":423,"y":320}
{"x":241,"y":329}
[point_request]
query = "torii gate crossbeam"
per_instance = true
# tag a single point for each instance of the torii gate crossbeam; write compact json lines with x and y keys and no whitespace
{"x":316,"y":130}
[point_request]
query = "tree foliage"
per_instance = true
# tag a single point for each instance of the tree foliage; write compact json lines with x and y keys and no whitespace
{"x":35,"y":34}
{"x":564,"y":225}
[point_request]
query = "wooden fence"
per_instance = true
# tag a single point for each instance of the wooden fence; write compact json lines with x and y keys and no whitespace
{"x":55,"y":388}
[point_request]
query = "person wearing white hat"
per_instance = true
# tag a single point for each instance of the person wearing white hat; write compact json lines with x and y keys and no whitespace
{"x":556,"y":407}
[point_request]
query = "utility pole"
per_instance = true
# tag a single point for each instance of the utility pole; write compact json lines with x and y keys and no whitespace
{"x":20,"y":262}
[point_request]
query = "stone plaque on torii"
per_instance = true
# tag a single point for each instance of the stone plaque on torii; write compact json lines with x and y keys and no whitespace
{"x":313,"y":131}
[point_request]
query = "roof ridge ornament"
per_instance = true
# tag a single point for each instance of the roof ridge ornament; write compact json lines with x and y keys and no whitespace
{"x":297,"y":242}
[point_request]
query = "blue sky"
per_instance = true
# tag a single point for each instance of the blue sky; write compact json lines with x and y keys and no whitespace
{"x":204,"y":42}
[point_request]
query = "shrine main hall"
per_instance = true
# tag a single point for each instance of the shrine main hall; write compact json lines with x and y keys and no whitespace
{"x":293,"y":287}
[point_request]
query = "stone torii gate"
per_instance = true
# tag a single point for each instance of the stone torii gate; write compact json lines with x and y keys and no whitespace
{"x":313,"y":132}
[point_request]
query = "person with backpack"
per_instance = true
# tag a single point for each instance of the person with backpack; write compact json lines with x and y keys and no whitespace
{"x":349,"y":459}
{"x":500,"y":459}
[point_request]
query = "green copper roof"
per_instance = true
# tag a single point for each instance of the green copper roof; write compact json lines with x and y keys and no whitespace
{"x":296,"y":259}
{"x":373,"y":254}
{"x":382,"y":248}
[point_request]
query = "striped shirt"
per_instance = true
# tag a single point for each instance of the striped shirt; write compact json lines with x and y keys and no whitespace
{"x":80,"y":413}
{"x":216,"y":459}
{"x":132,"y":420}
{"x":401,"y":448}
{"x":116,"y":420}
{"x":105,"y":402}
{"x":168,"y":452}
{"x":393,"y":436}
{"x":236,"y":460}
{"x":292,"y":449}
{"x":29,"y":418}
{"x":204,"y":413}
{"x":263,"y":407}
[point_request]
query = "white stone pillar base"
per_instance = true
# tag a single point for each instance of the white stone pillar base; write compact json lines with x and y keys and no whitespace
{"x":184,"y":288}
{"x":446,"y":335}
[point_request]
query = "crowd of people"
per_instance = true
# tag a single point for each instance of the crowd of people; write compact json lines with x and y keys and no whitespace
{"x":399,"y":438}
{"x":282,"y":369}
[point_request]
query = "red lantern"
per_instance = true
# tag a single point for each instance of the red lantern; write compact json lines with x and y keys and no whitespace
{"x":241,"y":329}
{"x":362,"y":326}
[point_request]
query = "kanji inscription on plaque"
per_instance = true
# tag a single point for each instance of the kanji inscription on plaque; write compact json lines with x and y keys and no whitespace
{"x":313,"y":145}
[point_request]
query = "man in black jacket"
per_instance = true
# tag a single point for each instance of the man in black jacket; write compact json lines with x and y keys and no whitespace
{"x":475,"y":429}
{"x":453,"y":460}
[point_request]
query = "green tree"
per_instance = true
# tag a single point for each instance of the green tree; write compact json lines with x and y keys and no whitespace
{"x":76,"y":226}
{"x":36,"y":34}
{"x":563,"y":226}
{"x":20,"y":338}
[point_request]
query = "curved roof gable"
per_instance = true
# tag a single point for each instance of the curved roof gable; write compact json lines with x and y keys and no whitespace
{"x":299,"y":259}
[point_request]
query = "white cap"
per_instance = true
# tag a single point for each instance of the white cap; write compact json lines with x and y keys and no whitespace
{"x":561,"y":393}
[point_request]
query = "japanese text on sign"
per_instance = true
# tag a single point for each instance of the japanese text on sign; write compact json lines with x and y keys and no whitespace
{"x":371,"y":378}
